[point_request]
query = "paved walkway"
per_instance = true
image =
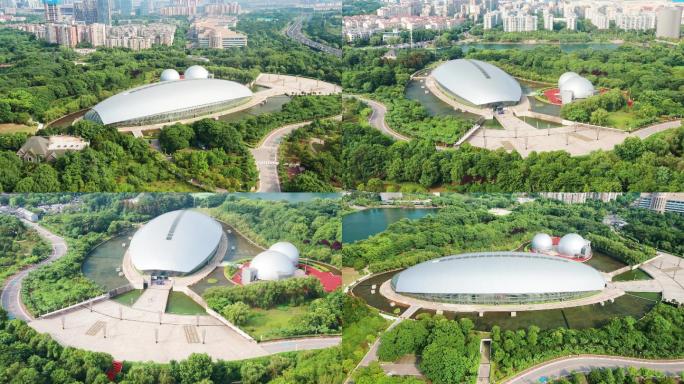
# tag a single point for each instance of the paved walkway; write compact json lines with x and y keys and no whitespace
{"x":11,"y":293}
{"x":153,"y":299}
{"x":377,"y":118}
{"x":275,"y":85}
{"x":266,"y":157}
{"x":585,"y":363}
{"x":133,"y":338}
{"x":668,"y":270}
{"x":576,"y":139}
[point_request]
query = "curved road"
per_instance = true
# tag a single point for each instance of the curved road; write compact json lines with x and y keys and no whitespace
{"x":266,"y":157}
{"x":585,"y":363}
{"x":294,"y":31}
{"x":377,"y":118}
{"x":11,"y":294}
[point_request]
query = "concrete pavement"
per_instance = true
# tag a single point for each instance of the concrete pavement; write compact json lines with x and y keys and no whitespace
{"x":134,"y":334}
{"x":266,"y":157}
{"x":11,"y":293}
{"x":377,"y":118}
{"x":668,"y":270}
{"x":585,"y":363}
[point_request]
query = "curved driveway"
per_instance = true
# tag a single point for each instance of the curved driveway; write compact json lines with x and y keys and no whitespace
{"x":585,"y":363}
{"x":11,"y":294}
{"x":377,"y":118}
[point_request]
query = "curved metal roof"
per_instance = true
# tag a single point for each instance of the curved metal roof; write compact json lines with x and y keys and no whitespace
{"x":541,"y":242}
{"x":168,"y":96}
{"x":177,"y":241}
{"x":499,"y":273}
{"x":477,"y":82}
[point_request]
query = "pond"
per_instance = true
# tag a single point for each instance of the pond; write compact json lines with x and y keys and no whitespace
{"x":290,"y":197}
{"x":67,"y":120}
{"x":540,"y":123}
{"x":364,"y":290}
{"x":634,"y":274}
{"x":272,"y":104}
{"x":368,"y":222}
{"x":238,"y":246}
{"x":435,"y":107}
{"x":101,"y":264}
{"x":604,"y":263}
{"x":578,"y":317}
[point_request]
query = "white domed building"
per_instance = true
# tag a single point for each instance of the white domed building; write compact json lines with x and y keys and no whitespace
{"x":171,"y":99}
{"x":573,"y":86}
{"x":280,"y":261}
{"x":541,"y":242}
{"x":571,"y":246}
{"x":288,"y":249}
{"x":169,"y":75}
{"x":177,"y":243}
{"x":196,"y":72}
{"x":272,"y":265}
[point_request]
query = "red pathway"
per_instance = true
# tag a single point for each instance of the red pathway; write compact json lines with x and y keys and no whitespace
{"x":329,"y":280}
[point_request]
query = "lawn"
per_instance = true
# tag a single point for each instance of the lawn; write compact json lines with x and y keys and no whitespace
{"x":635,"y":274}
{"x":349,"y":275}
{"x":181,"y":304}
{"x":621,"y":120}
{"x":265,"y":324}
{"x":15,"y":128}
{"x":129,"y":298}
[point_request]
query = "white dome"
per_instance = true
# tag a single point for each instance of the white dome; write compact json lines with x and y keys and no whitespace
{"x":272,"y":265}
{"x":571,"y":245}
{"x":541,"y":242}
{"x":196,"y":72}
{"x":580,"y":87}
{"x":565,"y":77}
{"x":288,"y":249}
{"x":169,"y":75}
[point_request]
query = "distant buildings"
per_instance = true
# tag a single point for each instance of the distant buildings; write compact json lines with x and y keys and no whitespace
{"x":581,"y":197}
{"x":641,"y":22}
{"x":132,"y":36}
{"x":52,"y":13}
{"x":104,"y":12}
{"x":38,"y":148}
{"x":662,"y":202}
{"x":216,"y":33}
{"x":519,"y":23}
{"x":363,"y":26}
{"x":669,"y":20}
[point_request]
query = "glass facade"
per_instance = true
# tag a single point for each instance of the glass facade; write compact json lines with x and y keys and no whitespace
{"x":495,"y":298}
{"x":170,"y":116}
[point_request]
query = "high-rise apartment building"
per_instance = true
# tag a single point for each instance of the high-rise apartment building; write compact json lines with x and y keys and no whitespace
{"x":52,"y":13}
{"x":669,"y":22}
{"x":662,"y":202}
{"x":520,"y":23}
{"x":104,"y":12}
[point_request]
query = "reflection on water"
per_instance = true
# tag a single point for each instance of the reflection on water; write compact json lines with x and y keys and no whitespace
{"x":366,"y":223}
{"x":365,"y":291}
{"x":238,"y":246}
{"x":102,"y":263}
{"x":272,"y":104}
{"x":588,"y":316}
{"x":604,"y":263}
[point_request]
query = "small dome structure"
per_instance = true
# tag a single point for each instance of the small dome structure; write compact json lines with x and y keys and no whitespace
{"x":288,"y":249}
{"x":565,"y":77}
{"x":272,"y":265}
{"x":169,"y":75}
{"x":580,"y":87}
{"x":541,"y":242}
{"x":572,"y":245}
{"x":196,"y":72}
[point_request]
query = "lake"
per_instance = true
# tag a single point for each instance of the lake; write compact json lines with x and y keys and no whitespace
{"x":368,"y":222}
